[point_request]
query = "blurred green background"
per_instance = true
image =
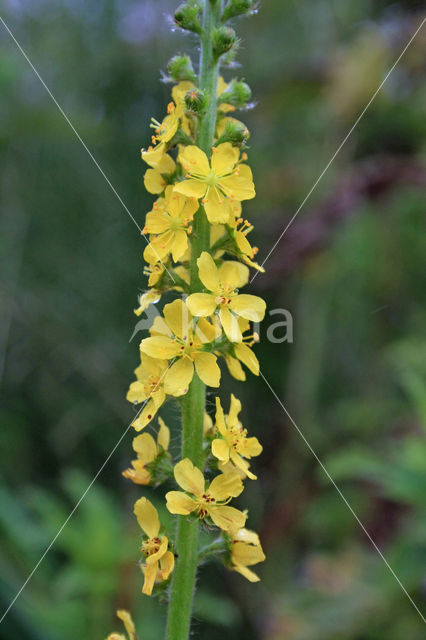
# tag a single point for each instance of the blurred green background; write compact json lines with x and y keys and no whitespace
{"x":351,"y":270}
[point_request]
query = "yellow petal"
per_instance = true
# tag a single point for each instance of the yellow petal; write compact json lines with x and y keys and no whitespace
{"x":167,"y":564}
{"x":234,"y":274}
{"x":191,"y":188}
{"x":207,"y":368}
{"x":247,"y":357}
{"x":234,"y":367}
{"x":220,"y":418}
{"x":154,"y":156}
{"x":179,"y":503}
{"x":247,"y":573}
{"x":180,"y":244}
{"x":230,"y":325}
{"x":189,"y":477}
{"x":178,"y":377}
{"x":207,"y":331}
{"x":150,"y":573}
{"x":155,"y":557}
{"x":249,"y":307}
{"x":166,"y":164}
{"x":201,"y":304}
{"x":247,"y":554}
{"x":224,"y":158}
{"x":208,"y":272}
{"x":160,"y":347}
{"x":145,"y":447}
{"x":145,"y":416}
{"x":178,"y":319}
{"x":234,"y":410}
{"x":147,"y":517}
{"x":154,"y":181}
{"x":216,"y":207}
{"x":220,"y":449}
{"x":127,"y":621}
{"x":239,"y":186}
{"x":252,"y":447}
{"x":243,"y":465}
{"x":227,"y":518}
{"x":194,"y":161}
{"x":226,"y":485}
{"x":247,"y":536}
{"x":163,"y":437}
{"x":156,"y":222}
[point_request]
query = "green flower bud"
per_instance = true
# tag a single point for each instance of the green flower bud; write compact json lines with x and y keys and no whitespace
{"x":238,"y":93}
{"x":223,"y":40}
{"x":196,"y":102}
{"x":187,"y":17}
{"x":236,"y":133}
{"x":180,"y":68}
{"x":236,"y":8}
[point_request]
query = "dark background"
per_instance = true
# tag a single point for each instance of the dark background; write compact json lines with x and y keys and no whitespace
{"x":350,"y":270}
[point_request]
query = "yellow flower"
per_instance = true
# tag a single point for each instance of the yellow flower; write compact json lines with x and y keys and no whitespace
{"x":154,"y":547}
{"x":223,"y":284}
{"x":241,"y":352}
{"x":171,"y":225}
{"x":210,"y":500}
{"x":149,"y":386}
{"x":234,"y":444}
{"x":128,"y":625}
{"x":218,"y":183}
{"x":178,"y":338}
{"x":165,"y":130}
{"x":154,"y":272}
{"x":161,"y":163}
{"x":152,"y":296}
{"x":246,"y":551}
{"x":147,"y":451}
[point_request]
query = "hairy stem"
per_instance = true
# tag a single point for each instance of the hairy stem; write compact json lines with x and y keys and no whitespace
{"x":193,"y":404}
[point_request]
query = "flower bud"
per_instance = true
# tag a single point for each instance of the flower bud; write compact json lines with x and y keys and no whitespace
{"x":235,"y":132}
{"x":180,"y":68}
{"x":223,"y":40}
{"x":236,"y":8}
{"x":186,"y":17}
{"x":237,"y":93}
{"x":196,"y":101}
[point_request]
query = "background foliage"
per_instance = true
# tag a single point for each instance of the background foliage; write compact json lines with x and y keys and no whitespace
{"x":350,"y":270}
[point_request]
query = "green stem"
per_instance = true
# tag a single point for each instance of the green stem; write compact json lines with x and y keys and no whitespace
{"x":193,"y":403}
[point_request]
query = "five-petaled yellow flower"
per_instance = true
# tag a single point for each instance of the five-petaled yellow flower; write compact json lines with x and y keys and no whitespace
{"x":233,"y":443}
{"x":149,"y":388}
{"x":159,"y":561}
{"x":147,"y":451}
{"x":126,"y":618}
{"x":207,"y":500}
{"x":223,"y":284}
{"x":180,"y":339}
{"x":170,"y":224}
{"x":246,"y":551}
{"x":218,"y":183}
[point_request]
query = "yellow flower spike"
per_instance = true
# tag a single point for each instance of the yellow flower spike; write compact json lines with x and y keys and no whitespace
{"x":147,"y":451}
{"x":207,"y":500}
{"x":126,"y":618}
{"x":246,"y":551}
{"x":158,"y":563}
{"x":216,"y":183}
{"x":183,"y":341}
{"x":223,"y":285}
{"x":171,"y":227}
{"x":233,"y":444}
{"x":149,"y":387}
